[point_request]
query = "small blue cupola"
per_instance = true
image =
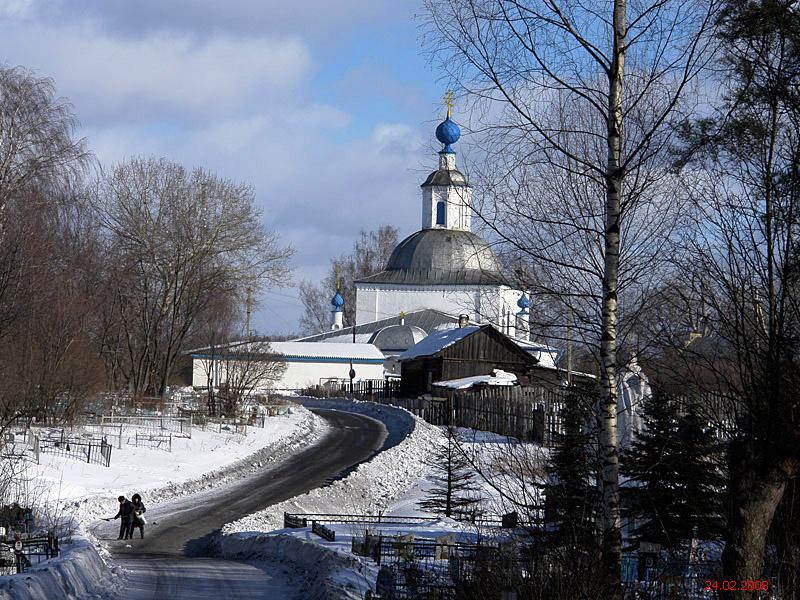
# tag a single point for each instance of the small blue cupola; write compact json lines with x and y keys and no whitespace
{"x":524,"y":303}
{"x":337,"y":302}
{"x":448,"y":133}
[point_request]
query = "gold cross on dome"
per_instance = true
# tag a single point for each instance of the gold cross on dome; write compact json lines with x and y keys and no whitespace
{"x":449,"y":100}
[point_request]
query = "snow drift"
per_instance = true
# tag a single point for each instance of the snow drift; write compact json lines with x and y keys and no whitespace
{"x":79,"y":573}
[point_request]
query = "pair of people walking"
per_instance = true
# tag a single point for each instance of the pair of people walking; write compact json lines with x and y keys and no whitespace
{"x":131,"y":512}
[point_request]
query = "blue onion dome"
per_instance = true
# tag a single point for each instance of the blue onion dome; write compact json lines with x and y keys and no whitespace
{"x":337,"y":301}
{"x":448,"y":133}
{"x":524,"y":302}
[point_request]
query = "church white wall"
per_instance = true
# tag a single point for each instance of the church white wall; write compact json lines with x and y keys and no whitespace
{"x":457,"y":199}
{"x":459,"y":211}
{"x":428,"y":208}
{"x":494,"y":304}
{"x":298,"y":374}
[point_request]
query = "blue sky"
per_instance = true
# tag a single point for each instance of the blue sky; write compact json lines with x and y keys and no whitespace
{"x":326,"y":107}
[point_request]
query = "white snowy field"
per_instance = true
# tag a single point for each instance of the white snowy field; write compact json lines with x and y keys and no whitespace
{"x":87,"y":491}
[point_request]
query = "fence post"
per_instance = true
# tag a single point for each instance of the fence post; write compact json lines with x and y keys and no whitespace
{"x":89,"y":453}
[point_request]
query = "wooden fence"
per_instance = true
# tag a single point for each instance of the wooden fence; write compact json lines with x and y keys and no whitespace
{"x":531,"y":413}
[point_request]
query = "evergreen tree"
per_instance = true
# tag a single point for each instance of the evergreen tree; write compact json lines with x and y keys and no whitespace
{"x":675,"y":484}
{"x":571,"y":492}
{"x":453,"y":493}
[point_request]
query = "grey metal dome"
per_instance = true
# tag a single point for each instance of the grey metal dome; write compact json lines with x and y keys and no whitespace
{"x":397,"y":338}
{"x":441,"y":256}
{"x":446,"y":177}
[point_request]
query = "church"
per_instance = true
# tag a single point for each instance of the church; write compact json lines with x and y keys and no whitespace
{"x":444,"y":266}
{"x":443,"y":276}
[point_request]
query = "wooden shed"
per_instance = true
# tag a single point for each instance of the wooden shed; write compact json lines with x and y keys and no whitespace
{"x":462,"y":352}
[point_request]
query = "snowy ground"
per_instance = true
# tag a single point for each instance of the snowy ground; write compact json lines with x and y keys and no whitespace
{"x":89,"y":491}
{"x":506,"y":472}
{"x":86,"y":492}
{"x":393,"y":481}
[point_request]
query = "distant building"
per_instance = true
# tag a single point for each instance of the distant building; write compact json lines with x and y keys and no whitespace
{"x":307,"y":363}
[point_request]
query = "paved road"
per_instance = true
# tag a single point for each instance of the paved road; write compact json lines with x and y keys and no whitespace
{"x":173,"y":560}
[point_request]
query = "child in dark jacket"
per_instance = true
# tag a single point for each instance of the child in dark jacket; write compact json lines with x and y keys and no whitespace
{"x":137,"y":519}
{"x":125,"y":513}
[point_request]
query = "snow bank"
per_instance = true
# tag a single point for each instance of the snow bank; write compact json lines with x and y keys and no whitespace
{"x":370,"y":487}
{"x":327,"y":574}
{"x":79,"y":573}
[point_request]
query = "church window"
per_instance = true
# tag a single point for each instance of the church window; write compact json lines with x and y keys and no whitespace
{"x":440,"y":213}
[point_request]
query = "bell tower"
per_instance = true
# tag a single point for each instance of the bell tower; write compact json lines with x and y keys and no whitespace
{"x":446,"y":194}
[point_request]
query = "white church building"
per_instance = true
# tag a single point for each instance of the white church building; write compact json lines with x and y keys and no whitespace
{"x":444,"y":266}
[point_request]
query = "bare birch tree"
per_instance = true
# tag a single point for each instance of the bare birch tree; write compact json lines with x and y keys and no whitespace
{"x":42,"y":307}
{"x":176,"y":240}
{"x":38,"y":148}
{"x":625,"y":68}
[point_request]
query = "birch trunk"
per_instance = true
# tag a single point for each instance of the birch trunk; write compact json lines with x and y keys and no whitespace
{"x":612,"y":534}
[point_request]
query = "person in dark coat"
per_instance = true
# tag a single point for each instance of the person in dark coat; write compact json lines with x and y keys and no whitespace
{"x":125,"y":513}
{"x":137,"y":519}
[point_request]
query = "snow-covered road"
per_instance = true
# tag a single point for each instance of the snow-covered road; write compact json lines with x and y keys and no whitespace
{"x":163,"y":564}
{"x":206,"y":579}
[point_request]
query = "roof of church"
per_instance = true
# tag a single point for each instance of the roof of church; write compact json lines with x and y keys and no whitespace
{"x":440,"y":256}
{"x":426,"y":319}
{"x":446,"y":177}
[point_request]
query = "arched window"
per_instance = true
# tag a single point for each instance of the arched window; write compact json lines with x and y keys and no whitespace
{"x":440,"y":213}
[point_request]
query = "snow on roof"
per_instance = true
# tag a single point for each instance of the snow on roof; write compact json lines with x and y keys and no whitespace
{"x":327,"y":350}
{"x":438,"y":340}
{"x":547,"y":355}
{"x":499,"y":377}
{"x":345,"y":338}
{"x":307,"y":350}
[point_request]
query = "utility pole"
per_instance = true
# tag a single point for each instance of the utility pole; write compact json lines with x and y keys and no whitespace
{"x":248,"y":305}
{"x":569,"y":347}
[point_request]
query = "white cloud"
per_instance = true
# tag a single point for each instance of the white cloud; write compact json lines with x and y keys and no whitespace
{"x":16,"y":8}
{"x":396,"y":134}
{"x":252,"y":17}
{"x":146,"y":78}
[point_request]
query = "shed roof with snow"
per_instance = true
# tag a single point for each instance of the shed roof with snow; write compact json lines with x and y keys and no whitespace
{"x":461,"y":352}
